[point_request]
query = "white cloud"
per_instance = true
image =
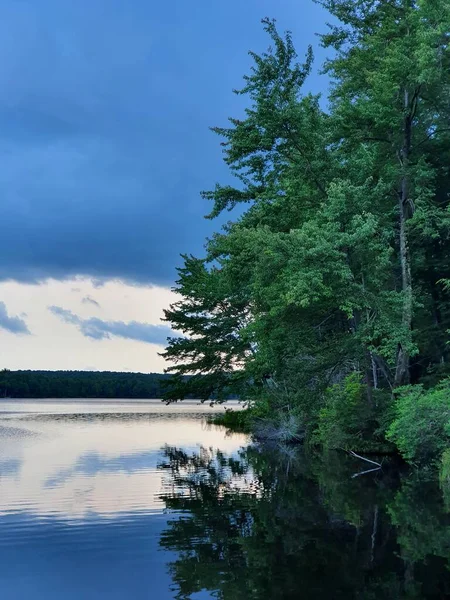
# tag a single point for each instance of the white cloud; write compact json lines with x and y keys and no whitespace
{"x":57,"y":345}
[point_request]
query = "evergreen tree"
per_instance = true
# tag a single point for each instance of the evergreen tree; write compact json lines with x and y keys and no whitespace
{"x":211,"y":316}
{"x":337,"y":262}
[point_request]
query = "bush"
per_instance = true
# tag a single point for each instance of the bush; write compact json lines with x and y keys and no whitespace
{"x":285,"y":428}
{"x":421,"y":426}
{"x":348,"y":420}
{"x":271,"y":417}
{"x":235,"y":420}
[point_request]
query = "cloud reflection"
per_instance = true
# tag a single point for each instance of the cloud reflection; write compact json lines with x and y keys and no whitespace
{"x":77,"y":469}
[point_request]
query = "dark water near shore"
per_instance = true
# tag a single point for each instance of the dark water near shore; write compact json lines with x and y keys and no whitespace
{"x":135,"y":500}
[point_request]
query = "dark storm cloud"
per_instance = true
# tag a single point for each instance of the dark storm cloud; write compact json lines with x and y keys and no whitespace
{"x":12,"y":324}
{"x":98,"y":329}
{"x":104,"y":114}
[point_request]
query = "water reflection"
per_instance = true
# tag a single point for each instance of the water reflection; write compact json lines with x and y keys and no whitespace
{"x":80,"y":508}
{"x":136,"y":501}
{"x":76,"y":465}
{"x":278,"y":525}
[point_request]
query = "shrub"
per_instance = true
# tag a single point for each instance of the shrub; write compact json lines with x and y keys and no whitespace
{"x":285,"y":428}
{"x":235,"y":420}
{"x":421,"y":426}
{"x":348,"y":420}
{"x":272,"y":416}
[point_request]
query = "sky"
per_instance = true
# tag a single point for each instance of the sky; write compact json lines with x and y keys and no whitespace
{"x":105,"y":109}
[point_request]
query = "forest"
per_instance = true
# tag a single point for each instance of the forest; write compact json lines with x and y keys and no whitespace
{"x":324,"y":301}
{"x":80,"y":384}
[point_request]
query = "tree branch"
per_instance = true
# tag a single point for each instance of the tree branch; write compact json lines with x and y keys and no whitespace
{"x":305,"y":158}
{"x":372,"y":462}
{"x":431,"y":135}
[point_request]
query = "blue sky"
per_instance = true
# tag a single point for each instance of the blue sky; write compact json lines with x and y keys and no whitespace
{"x":105,"y":109}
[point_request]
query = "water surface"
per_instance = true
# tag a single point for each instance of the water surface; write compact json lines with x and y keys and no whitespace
{"x":137,"y":500}
{"x":81,"y":513}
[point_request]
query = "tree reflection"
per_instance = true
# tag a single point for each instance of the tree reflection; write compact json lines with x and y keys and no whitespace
{"x":275,"y":524}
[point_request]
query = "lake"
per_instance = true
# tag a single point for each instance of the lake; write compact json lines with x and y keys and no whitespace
{"x":137,"y":500}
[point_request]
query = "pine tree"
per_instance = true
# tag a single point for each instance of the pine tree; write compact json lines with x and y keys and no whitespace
{"x":336,"y":263}
{"x":209,"y":356}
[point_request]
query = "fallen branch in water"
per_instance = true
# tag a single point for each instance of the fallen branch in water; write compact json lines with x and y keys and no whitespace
{"x":363,"y":458}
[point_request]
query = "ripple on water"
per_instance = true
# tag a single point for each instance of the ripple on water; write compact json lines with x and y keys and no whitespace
{"x":81,"y":513}
{"x":15,"y":432}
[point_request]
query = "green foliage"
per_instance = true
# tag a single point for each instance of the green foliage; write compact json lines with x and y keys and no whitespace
{"x":335,"y":261}
{"x":344,"y":414}
{"x":212,"y":349}
{"x":235,"y":420}
{"x":421,"y":426}
{"x":349,"y":418}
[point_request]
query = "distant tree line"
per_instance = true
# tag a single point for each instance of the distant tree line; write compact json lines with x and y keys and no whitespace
{"x":80,"y":384}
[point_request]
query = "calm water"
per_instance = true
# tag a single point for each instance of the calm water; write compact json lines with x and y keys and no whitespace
{"x":136,"y":500}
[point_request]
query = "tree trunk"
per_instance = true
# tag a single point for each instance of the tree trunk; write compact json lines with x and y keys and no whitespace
{"x":402,"y":364}
{"x":374,"y":371}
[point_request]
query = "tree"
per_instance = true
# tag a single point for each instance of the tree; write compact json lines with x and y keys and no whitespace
{"x":210,"y":356}
{"x":337,"y":258}
{"x":390,"y":107}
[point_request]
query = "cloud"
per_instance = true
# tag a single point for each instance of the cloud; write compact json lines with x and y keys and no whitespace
{"x":97,"y":329}
{"x":12,"y":324}
{"x":102,"y":164}
{"x":90,"y":300}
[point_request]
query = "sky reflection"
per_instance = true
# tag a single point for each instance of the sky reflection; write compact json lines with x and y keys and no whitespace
{"x":72,"y":467}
